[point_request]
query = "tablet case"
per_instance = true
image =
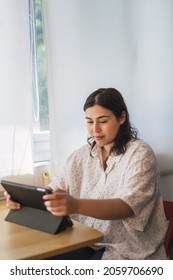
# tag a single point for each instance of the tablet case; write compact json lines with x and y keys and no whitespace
{"x":38,"y":219}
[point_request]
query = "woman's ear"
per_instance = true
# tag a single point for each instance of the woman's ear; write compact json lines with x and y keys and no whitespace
{"x":123,"y":117}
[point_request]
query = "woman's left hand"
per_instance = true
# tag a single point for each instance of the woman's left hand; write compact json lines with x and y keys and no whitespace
{"x":60,"y":203}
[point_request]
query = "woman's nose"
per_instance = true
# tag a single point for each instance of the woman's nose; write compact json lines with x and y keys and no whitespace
{"x":96,"y":127}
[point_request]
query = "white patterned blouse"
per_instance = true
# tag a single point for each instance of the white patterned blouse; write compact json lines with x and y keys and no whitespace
{"x":132,"y":177}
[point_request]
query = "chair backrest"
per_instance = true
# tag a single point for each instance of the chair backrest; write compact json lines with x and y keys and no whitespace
{"x":168,"y":207}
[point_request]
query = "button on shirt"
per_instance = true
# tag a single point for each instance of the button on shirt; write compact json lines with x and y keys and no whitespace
{"x":132,"y":177}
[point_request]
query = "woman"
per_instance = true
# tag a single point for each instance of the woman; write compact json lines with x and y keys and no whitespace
{"x":111,"y":184}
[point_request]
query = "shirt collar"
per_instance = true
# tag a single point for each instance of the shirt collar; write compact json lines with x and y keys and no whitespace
{"x":96,"y":151}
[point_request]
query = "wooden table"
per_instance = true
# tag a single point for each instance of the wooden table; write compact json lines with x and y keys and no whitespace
{"x":19,"y":242}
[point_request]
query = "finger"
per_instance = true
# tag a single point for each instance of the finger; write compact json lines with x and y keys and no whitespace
{"x":57,"y":211}
{"x":7,"y":195}
{"x":13,"y":205}
{"x":54,"y":196}
{"x":60,"y":191}
{"x":60,"y":213}
{"x":55,"y":202}
{"x":49,"y":196}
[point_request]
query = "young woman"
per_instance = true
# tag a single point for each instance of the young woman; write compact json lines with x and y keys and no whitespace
{"x":111,"y":184}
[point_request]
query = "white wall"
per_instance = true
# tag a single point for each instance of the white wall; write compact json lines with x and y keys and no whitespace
{"x":126,"y":44}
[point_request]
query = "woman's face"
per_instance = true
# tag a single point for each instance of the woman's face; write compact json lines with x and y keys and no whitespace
{"x":103,"y":125}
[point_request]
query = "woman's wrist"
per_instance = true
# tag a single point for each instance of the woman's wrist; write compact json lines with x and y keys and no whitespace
{"x":77,"y":206}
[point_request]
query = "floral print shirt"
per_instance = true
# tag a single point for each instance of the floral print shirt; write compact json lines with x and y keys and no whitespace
{"x":132,"y":177}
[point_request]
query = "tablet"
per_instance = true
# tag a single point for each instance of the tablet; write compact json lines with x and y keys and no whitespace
{"x":26,"y":195}
{"x":34,"y":213}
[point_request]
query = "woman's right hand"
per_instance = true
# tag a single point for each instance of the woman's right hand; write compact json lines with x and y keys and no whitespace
{"x":10,"y":203}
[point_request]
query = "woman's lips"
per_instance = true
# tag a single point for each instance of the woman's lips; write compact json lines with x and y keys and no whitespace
{"x":97,"y":138}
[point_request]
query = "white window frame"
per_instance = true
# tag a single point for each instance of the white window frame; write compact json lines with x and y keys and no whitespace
{"x":41,"y":146}
{"x":41,"y":139}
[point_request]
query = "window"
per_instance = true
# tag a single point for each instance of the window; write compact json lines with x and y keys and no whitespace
{"x":39,"y":83}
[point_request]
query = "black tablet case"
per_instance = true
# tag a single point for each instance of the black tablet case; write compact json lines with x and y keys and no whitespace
{"x":33,"y":213}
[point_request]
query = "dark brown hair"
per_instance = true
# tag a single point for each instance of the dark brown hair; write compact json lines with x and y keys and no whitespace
{"x":112,"y":100}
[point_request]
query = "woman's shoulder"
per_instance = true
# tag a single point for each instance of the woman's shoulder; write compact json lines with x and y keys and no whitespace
{"x":141,"y":151}
{"x":139,"y":144}
{"x":140,"y":147}
{"x":80,"y":153}
{"x":83,"y":149}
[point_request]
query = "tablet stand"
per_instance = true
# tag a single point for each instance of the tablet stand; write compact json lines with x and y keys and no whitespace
{"x":38,"y":219}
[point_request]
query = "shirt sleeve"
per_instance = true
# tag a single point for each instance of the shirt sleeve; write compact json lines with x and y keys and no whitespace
{"x":60,"y":182}
{"x":140,"y":187}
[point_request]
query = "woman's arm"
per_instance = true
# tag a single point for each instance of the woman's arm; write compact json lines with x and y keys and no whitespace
{"x":60,"y":203}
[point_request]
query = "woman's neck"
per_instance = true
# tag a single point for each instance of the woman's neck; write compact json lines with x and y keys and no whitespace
{"x":105,"y":153}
